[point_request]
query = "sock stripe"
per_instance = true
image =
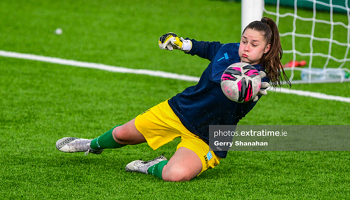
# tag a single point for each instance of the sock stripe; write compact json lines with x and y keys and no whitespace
{"x":157,"y":169}
{"x":105,"y":141}
{"x":98,"y":145}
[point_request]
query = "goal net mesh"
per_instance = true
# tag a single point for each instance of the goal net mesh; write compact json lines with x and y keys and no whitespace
{"x":316,"y":37}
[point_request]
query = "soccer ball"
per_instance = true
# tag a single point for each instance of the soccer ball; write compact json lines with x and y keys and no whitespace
{"x":241,"y":82}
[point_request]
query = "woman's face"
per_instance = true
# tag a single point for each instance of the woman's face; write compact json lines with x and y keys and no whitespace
{"x":252,"y":46}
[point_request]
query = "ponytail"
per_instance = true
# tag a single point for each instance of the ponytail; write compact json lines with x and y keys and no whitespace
{"x":272,"y":59}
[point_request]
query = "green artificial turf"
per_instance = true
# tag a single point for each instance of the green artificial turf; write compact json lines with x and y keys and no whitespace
{"x":43,"y":102}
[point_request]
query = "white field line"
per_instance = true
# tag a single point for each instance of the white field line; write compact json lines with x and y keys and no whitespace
{"x":311,"y":94}
{"x":152,"y":73}
{"x":97,"y":66}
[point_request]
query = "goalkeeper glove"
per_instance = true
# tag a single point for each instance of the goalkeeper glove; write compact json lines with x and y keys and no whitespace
{"x":171,"y":41}
{"x":264,"y":86}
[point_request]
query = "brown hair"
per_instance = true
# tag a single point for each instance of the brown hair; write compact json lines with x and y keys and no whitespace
{"x":272,"y":59}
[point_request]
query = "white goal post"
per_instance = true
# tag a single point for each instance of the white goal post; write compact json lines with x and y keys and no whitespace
{"x":252,"y":10}
{"x":331,"y":64}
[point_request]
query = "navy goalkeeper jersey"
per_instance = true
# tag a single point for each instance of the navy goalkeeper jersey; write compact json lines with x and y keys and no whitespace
{"x":205,"y":104}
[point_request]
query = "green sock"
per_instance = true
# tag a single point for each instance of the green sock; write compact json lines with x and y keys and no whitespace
{"x":157,"y":169}
{"x":105,"y":141}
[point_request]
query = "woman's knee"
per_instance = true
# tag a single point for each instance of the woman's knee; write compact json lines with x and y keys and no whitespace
{"x":128,"y":134}
{"x":119,"y":134}
{"x":176,"y":174}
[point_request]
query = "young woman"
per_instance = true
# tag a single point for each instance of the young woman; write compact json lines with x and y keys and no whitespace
{"x":190,"y":113}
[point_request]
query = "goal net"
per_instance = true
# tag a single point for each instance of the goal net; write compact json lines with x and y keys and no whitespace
{"x":315,"y":37}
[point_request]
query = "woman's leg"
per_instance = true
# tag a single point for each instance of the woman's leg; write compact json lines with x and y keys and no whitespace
{"x":114,"y":138}
{"x":183,"y":166}
{"x":128,"y":134}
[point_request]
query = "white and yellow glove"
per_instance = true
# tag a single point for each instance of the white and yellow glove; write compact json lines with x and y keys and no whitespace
{"x":264,"y":86}
{"x":171,"y":41}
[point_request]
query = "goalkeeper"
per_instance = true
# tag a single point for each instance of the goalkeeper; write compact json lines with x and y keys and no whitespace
{"x":190,"y":113}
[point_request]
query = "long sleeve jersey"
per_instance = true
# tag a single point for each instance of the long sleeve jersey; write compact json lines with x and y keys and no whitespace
{"x":205,"y":104}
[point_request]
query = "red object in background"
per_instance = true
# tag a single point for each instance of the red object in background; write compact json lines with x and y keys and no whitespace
{"x":302,"y":63}
{"x":295,"y":63}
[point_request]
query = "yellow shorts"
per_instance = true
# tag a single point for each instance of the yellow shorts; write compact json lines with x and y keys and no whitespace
{"x":160,"y":125}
